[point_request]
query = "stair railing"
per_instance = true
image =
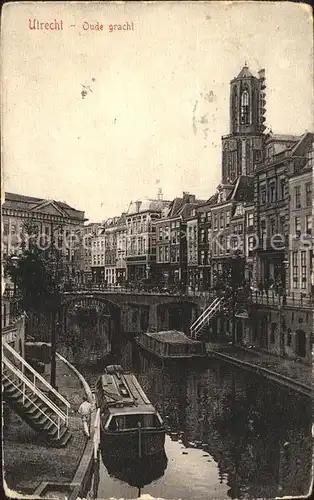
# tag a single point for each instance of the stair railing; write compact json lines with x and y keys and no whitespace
{"x":37,"y":377}
{"x":205,"y":316}
{"x":27,"y":383}
{"x":212,"y":304}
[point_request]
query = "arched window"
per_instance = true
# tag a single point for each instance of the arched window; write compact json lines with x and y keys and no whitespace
{"x":234,"y":105}
{"x":245,"y":108}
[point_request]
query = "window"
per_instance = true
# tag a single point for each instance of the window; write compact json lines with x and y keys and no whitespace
{"x":308,"y":224}
{"x":310,"y":156}
{"x":160,"y":254}
{"x":250,"y":220}
{"x":295,"y":269}
{"x":202,"y":257}
{"x":245,"y":110}
{"x":263,"y":230}
{"x":222,"y":220}
{"x":282,"y":185}
{"x":166,"y":254}
{"x":272,"y":227}
{"x":221,"y":244}
{"x":308,"y":194}
{"x":272,"y":192}
{"x":177,"y":254}
{"x":256,"y":155}
{"x":297,"y":226}
{"x":303,"y":270}
{"x":263,"y":194}
{"x":227,"y":218}
{"x":250,"y":243}
{"x":208,"y":235}
{"x":297,"y":197}
{"x":215,"y":222}
{"x":235,"y":244}
{"x":202,"y":235}
{"x":282,"y":225}
{"x":160,"y":233}
{"x":167,"y":233}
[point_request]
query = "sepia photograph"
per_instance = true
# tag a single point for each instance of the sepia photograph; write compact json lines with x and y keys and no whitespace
{"x":157,"y":283}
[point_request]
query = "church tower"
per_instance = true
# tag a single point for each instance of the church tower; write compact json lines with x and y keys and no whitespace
{"x":243,"y":147}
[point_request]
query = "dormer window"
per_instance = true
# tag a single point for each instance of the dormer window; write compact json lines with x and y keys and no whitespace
{"x":245,"y":109}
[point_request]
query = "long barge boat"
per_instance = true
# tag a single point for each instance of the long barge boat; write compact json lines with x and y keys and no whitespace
{"x":130,"y":426}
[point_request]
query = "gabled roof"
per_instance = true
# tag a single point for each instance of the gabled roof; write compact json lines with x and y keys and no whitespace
{"x":187,"y":208}
{"x":174,"y":206}
{"x":305,"y":140}
{"x":213,"y":199}
{"x":243,"y":190}
{"x":32,"y":204}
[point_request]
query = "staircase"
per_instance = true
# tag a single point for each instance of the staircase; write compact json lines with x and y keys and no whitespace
{"x":202,"y":321}
{"x":27,"y":396}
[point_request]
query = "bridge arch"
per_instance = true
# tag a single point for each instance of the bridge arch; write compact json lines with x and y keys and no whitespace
{"x":89,"y":326}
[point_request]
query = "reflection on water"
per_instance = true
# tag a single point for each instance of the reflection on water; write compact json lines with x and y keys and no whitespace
{"x":230,"y":434}
{"x":138,"y":472}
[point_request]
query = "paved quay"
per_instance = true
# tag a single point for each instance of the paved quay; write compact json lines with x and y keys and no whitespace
{"x":296,"y":371}
{"x":28,"y":462}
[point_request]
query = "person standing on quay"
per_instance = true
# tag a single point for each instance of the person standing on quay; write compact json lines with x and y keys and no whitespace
{"x":85,"y":411}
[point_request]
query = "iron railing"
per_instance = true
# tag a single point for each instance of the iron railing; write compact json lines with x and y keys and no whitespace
{"x":259,"y":297}
{"x":145,"y":289}
{"x":274,"y":299}
{"x":36,"y":381}
{"x":22,"y":383}
{"x":206,"y":315}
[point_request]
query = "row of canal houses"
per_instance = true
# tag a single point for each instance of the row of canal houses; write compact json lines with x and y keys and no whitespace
{"x":262,"y":210}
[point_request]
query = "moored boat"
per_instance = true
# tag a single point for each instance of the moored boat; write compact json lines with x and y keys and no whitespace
{"x":170,"y":344}
{"x":130,"y":426}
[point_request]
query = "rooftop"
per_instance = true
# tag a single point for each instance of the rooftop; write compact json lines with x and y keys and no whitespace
{"x":146,"y":205}
{"x":245,"y":72}
{"x":21,"y":202}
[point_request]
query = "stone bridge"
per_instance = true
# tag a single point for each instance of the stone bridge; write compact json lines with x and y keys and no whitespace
{"x":134,"y":312}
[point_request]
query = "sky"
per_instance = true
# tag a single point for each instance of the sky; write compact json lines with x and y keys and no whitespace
{"x":139,"y":129}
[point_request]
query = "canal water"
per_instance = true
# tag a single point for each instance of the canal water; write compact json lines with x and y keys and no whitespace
{"x":230,"y":435}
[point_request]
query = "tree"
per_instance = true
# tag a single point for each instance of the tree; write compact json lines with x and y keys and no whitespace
{"x":231,"y":284}
{"x":40,"y":277}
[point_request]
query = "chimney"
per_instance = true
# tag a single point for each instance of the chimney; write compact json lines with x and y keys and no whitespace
{"x":137,"y":205}
{"x":188,"y":198}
